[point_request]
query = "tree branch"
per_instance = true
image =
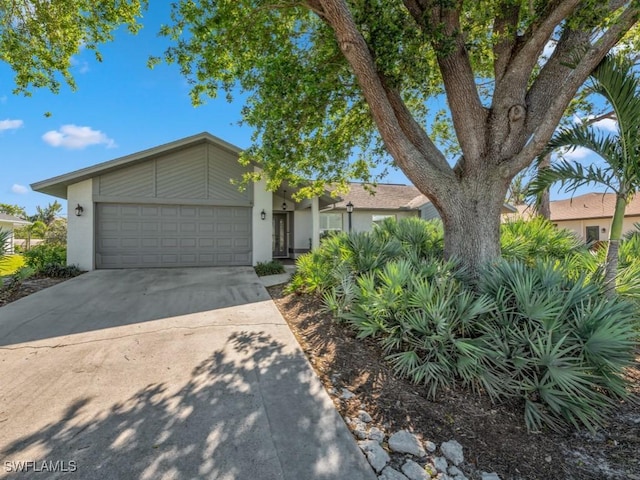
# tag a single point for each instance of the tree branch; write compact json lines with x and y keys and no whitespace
{"x":467,"y":112}
{"x":547,"y":110}
{"x":407,"y":142}
{"x":505,"y":27}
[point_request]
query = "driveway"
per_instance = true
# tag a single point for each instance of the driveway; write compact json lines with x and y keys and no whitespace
{"x":163,"y":374}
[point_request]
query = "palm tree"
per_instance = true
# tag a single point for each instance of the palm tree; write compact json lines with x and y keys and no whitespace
{"x":614,"y":80}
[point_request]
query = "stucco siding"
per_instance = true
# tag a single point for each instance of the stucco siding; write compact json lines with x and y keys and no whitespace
{"x":580,"y":226}
{"x":262,"y":228}
{"x":80,"y":230}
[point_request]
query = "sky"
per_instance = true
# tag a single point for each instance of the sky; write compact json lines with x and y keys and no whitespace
{"x":120,"y":107}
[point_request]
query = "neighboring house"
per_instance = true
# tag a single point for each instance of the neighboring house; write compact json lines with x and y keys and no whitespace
{"x":8,"y":223}
{"x":590,"y":215}
{"x":174,"y":205}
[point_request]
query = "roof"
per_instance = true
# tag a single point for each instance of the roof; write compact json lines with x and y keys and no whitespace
{"x":57,"y":186}
{"x":6,"y":218}
{"x":590,"y":205}
{"x":384,"y":196}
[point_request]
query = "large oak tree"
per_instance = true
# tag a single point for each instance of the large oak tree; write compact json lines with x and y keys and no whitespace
{"x":331,"y":85}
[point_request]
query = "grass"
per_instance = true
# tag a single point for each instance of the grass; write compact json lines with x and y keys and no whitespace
{"x":10,"y":264}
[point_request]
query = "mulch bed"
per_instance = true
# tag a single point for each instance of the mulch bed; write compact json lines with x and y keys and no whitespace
{"x":493,"y":436}
{"x":27,"y":287}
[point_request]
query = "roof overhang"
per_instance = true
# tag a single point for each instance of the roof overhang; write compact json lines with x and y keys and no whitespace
{"x":57,"y":186}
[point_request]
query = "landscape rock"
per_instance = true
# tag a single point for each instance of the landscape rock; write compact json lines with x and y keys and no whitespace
{"x":430,"y":446}
{"x":441,"y":464}
{"x":406,"y":442}
{"x":456,"y":473}
{"x":453,"y":451}
{"x":414,"y":471}
{"x":376,"y":434}
{"x":364,"y":416}
{"x":376,"y":455}
{"x":490,"y":476}
{"x":346,"y":394}
{"x":389,"y":473}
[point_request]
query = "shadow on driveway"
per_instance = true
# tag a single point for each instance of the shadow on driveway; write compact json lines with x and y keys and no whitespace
{"x":250,"y":410}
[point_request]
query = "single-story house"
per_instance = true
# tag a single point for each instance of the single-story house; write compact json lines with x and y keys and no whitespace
{"x":8,"y":223}
{"x":175,"y":205}
{"x":590,"y":215}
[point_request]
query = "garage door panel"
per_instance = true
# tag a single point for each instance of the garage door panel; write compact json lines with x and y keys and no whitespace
{"x":132,"y":236}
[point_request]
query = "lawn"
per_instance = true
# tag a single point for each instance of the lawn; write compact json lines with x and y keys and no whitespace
{"x":10,"y":264}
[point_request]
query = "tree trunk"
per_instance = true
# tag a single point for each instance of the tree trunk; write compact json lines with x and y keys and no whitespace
{"x":615,"y":233}
{"x":471,"y":220}
{"x":544,"y":202}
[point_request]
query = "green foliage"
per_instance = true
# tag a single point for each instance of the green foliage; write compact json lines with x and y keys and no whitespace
{"x":422,"y":316}
{"x":5,"y":237}
{"x":39,"y":39}
{"x":15,"y":210}
{"x":536,"y":328}
{"x":558,"y":345}
{"x":531,"y":240}
{"x":272,"y":267}
{"x":45,"y":254}
{"x":57,"y":270}
{"x":360,"y":252}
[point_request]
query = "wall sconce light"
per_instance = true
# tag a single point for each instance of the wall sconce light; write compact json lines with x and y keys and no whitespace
{"x":263,"y":214}
{"x":79,"y":210}
{"x":604,"y":229}
{"x":284,"y":203}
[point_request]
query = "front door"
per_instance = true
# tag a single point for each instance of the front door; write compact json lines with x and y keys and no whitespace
{"x":593,"y":234}
{"x":279,"y":243}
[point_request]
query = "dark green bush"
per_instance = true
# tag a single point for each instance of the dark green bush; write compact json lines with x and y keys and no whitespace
{"x":557,"y":344}
{"x":44,"y":254}
{"x":56,"y":270}
{"x":272,"y":267}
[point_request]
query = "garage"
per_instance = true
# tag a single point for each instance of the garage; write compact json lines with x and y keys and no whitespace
{"x":143,"y":236}
{"x":181,"y":204}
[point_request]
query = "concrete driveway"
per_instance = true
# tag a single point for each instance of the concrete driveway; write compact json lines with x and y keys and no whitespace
{"x":163,"y":374}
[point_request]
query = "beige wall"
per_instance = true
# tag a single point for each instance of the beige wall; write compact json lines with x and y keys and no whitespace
{"x":8,"y":227}
{"x":580,"y":226}
{"x":80,"y":231}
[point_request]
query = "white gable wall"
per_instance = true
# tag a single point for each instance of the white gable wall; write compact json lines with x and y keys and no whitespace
{"x":80,"y":230}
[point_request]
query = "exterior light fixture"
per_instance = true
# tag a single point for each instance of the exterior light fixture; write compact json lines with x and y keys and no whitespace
{"x":604,"y":229}
{"x":349,"y":211}
{"x":79,"y":210}
{"x":284,"y":203}
{"x":263,"y":214}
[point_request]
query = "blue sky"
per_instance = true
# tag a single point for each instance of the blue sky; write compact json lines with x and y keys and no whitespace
{"x":120,"y":107}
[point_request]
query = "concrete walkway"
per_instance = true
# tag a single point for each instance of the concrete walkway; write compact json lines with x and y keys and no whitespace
{"x":163,"y":374}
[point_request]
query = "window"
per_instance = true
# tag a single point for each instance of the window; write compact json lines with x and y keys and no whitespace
{"x":378,"y":219}
{"x":593,"y":234}
{"x":330,"y":222}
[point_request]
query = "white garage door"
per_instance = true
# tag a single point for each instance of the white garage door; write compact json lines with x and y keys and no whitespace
{"x":133,"y":236}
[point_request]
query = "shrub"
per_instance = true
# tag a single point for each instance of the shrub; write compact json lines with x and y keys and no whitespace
{"x":272,"y":267}
{"x":421,"y":315}
{"x":55,"y":270}
{"x":44,"y":254}
{"x":531,"y":240}
{"x":557,"y":344}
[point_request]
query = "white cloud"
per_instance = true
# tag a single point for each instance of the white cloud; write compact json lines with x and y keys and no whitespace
{"x":579,"y":153}
{"x":76,"y":138}
{"x":606,"y":124}
{"x":19,"y":189}
{"x":10,"y":124}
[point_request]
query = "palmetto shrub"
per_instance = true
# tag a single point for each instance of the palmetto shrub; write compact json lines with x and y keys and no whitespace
{"x":421,"y":314}
{"x":557,"y":344}
{"x":538,"y":239}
